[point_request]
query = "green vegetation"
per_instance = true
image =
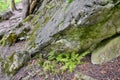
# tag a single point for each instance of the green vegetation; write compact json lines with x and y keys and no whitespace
{"x":50,"y":6}
{"x":32,"y":35}
{"x":61,"y":62}
{"x":8,"y":39}
{"x":69,"y":1}
{"x":5,"y":5}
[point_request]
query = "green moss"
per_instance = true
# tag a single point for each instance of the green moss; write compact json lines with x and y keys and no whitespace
{"x":90,"y":34}
{"x":11,"y":57}
{"x":15,"y":61}
{"x":49,"y":6}
{"x":0,"y":59}
{"x":107,"y":50}
{"x":87,"y":36}
{"x":6,"y":67}
{"x":9,"y":39}
{"x":32,"y":35}
{"x":36,"y":17}
{"x":47,"y":19}
{"x":28,"y":18}
{"x":19,"y":25}
{"x":7,"y":64}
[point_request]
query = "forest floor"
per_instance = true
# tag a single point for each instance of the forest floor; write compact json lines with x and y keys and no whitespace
{"x":31,"y":71}
{"x":106,"y":71}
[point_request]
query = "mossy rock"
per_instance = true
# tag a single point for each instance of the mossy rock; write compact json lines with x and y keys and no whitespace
{"x":106,"y":51}
{"x":80,"y":38}
{"x":15,"y":61}
{"x":9,"y":39}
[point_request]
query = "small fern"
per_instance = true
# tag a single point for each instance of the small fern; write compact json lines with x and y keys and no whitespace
{"x":66,"y":61}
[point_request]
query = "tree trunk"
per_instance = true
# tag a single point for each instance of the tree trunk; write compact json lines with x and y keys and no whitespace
{"x":12,"y":5}
{"x":26,"y":6}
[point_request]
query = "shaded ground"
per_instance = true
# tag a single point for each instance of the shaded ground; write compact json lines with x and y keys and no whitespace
{"x":7,"y":25}
{"x":32,"y":71}
{"x":106,"y":71}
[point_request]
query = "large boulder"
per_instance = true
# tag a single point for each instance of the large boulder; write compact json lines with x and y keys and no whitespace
{"x":110,"y":49}
{"x":67,"y":27}
{"x":73,"y":25}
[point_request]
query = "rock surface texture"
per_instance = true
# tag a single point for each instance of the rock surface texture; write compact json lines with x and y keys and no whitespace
{"x":77,"y":26}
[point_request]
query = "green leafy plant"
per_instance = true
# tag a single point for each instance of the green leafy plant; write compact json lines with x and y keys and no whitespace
{"x":4,"y":5}
{"x":69,"y":1}
{"x":65,"y":61}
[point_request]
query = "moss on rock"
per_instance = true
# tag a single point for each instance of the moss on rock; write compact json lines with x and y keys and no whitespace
{"x":108,"y":51}
{"x":80,"y":38}
{"x":15,"y":61}
{"x":31,"y":42}
{"x":9,"y":39}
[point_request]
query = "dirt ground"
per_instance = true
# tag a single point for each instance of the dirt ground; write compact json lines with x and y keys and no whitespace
{"x":106,"y":71}
{"x":6,"y":25}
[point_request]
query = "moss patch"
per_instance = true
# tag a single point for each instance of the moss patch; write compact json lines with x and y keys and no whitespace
{"x":32,"y":35}
{"x":87,"y":36}
{"x":9,"y":39}
{"x":107,"y":51}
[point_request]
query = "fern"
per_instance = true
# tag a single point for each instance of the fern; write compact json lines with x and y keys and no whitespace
{"x":67,"y":61}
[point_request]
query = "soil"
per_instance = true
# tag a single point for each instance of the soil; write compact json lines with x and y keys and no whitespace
{"x":32,"y":71}
{"x":7,"y":25}
{"x":106,"y":71}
